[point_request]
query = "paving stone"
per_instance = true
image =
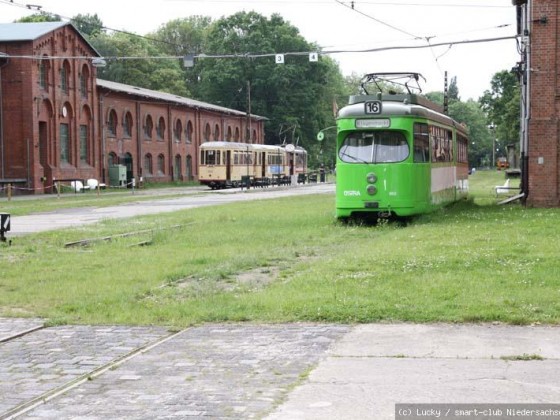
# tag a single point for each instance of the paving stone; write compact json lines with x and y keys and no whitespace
{"x":30,"y":355}
{"x":226,"y":371}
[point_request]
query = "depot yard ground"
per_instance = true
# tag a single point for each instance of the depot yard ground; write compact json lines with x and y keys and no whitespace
{"x":288,"y":260}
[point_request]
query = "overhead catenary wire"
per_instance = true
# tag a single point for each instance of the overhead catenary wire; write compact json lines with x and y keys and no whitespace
{"x":414,"y":37}
{"x":264,"y":55}
{"x":388,"y":25}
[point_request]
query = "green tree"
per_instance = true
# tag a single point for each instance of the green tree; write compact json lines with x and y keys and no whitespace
{"x":480,"y":139}
{"x":88,"y":25}
{"x":40,"y":17}
{"x":297,"y":94}
{"x":131,"y":60}
{"x":453,"y":90}
{"x":501,"y":103}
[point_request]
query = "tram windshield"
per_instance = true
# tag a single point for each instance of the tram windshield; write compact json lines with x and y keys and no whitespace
{"x":382,"y":146}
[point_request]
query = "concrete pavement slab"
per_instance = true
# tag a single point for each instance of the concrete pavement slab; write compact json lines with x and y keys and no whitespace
{"x":377,"y":366}
{"x":451,"y":341}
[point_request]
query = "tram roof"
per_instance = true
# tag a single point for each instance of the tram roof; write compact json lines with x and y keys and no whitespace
{"x":397,"y":105}
{"x":246,"y":146}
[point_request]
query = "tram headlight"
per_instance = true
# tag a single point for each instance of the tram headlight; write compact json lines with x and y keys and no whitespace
{"x":371,"y":189}
{"x":371,"y":178}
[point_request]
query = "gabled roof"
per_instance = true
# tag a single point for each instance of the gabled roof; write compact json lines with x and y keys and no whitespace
{"x":169,"y":97}
{"x":28,"y":31}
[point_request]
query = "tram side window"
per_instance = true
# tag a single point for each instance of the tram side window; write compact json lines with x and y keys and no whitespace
{"x":210,"y":157}
{"x":421,"y":143}
{"x":442,"y":144}
{"x":462,"y":145}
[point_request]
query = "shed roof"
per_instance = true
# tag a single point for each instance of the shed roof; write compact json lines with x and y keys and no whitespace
{"x":170,"y":97}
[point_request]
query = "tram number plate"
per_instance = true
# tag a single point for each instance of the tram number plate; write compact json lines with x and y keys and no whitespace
{"x":373,"y":107}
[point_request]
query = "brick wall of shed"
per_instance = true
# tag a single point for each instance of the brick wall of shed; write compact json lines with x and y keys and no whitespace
{"x":544,"y":125}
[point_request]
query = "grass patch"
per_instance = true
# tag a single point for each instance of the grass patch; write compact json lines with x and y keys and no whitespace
{"x":288,"y":260}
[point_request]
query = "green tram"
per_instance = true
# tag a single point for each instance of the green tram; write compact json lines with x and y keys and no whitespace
{"x":397,"y":156}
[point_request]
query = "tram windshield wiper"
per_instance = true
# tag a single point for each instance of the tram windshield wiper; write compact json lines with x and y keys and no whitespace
{"x":357,"y":159}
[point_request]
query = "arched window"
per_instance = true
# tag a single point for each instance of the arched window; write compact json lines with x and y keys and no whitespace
{"x":216,"y":132}
{"x":127,"y":125}
{"x":161,"y":164}
{"x":207,"y":133}
{"x":84,"y":143}
{"x":178,"y":130}
{"x":65,"y":143}
{"x":148,"y":164}
{"x":65,"y":76}
{"x":149,"y":127}
{"x":112,"y":123}
{"x":177,"y":172}
{"x":189,"y":168}
{"x":44,"y":71}
{"x":161,"y":128}
{"x":228,"y":137}
{"x":236,"y":137}
{"x":190,"y":130}
{"x":84,"y":79}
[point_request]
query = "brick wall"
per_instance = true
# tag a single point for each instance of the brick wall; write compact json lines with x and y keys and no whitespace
{"x":33,"y":113}
{"x":543,"y":150}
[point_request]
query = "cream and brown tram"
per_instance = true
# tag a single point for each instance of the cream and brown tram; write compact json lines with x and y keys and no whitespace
{"x":228,"y":164}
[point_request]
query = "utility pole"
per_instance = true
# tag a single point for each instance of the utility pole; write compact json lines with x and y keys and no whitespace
{"x":249,"y":130}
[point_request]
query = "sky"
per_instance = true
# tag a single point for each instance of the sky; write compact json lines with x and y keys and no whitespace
{"x":335,"y":26}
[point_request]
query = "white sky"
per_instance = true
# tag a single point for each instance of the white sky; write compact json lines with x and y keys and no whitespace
{"x":335,"y":26}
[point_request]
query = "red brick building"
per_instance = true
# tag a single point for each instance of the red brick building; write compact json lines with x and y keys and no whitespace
{"x":539,"y":26}
{"x":59,"y":122}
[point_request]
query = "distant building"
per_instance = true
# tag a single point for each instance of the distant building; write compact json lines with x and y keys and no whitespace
{"x":539,"y":66}
{"x":59,"y":122}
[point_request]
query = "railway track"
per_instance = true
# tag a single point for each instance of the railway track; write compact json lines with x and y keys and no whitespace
{"x":39,"y":363}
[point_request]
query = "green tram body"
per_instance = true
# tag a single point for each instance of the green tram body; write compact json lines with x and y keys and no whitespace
{"x":397,"y":156}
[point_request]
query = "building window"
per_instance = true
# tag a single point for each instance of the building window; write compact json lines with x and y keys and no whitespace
{"x":189,"y":168}
{"x":161,"y":164}
{"x":65,"y":77}
{"x":236,"y":138}
{"x":84,"y":78}
{"x":177,"y":168}
{"x":128,"y":125}
{"x":84,"y":143}
{"x":207,"y":133}
{"x":228,"y":137}
{"x":64,"y":143}
{"x":178,"y":130}
{"x":112,"y":123}
{"x":44,"y":68}
{"x":161,"y":128}
{"x":149,"y":128}
{"x":148,"y":164}
{"x":216,"y":132}
{"x":190,"y":130}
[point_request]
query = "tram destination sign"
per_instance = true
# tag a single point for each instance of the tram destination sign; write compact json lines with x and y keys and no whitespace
{"x":373,"y":107}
